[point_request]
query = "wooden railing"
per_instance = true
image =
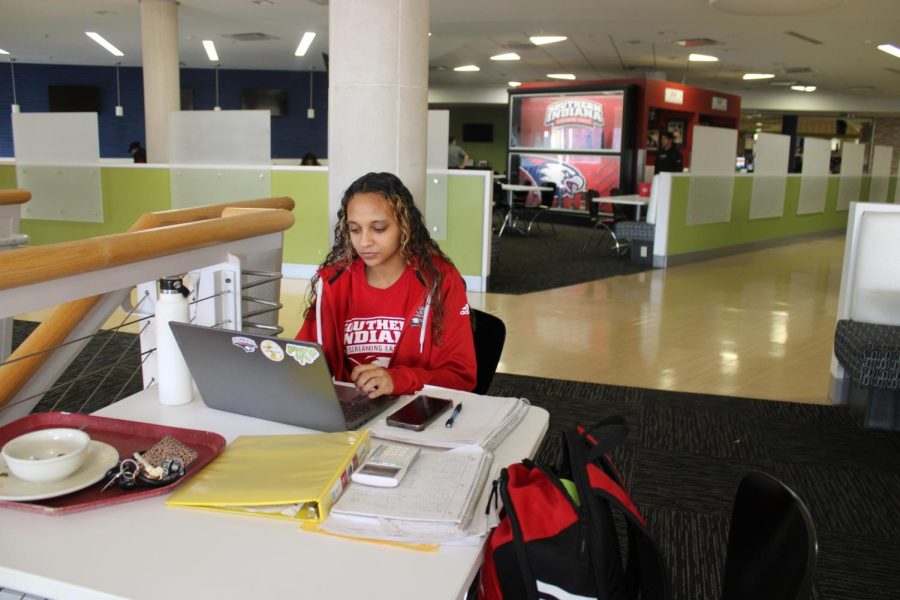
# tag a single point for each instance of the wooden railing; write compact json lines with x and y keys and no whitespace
{"x":154,"y":234}
{"x":14,"y":196}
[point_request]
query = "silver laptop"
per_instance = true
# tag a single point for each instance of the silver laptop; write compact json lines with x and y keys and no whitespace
{"x":271,"y":378}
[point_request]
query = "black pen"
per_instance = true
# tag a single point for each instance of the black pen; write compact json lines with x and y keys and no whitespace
{"x":454,"y":415}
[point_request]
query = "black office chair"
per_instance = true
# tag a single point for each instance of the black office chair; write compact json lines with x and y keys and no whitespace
{"x":490,"y":335}
{"x":547,"y":197}
{"x":772,"y":545}
{"x":603,"y":220}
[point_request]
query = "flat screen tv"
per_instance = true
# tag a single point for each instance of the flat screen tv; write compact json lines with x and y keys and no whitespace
{"x":273,"y":100}
{"x":478,"y":132}
{"x":74,"y":98}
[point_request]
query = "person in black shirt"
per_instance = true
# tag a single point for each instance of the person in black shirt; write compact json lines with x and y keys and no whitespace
{"x":668,"y":157}
{"x":138,"y":153}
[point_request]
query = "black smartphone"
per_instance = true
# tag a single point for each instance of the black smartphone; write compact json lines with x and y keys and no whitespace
{"x":418,"y":413}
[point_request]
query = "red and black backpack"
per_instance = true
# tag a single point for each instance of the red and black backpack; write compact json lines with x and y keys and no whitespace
{"x":551,"y":545}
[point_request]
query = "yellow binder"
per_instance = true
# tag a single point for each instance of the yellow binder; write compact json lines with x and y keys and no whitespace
{"x":284,"y":476}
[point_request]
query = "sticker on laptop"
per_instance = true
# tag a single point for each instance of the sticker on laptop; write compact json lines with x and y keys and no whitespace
{"x":244,"y":343}
{"x":271,"y":350}
{"x":305,"y":355}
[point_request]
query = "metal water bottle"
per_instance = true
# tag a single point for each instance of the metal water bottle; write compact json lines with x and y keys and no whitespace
{"x":175,"y":384}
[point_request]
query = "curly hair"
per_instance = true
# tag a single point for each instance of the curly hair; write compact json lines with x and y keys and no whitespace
{"x":416,"y":246}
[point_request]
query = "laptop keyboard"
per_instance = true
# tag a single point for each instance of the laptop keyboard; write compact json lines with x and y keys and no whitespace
{"x":356,"y":408}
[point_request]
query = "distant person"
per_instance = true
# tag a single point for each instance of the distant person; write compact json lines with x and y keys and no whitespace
{"x":798,"y":161}
{"x":309,"y":160}
{"x":668,"y":157}
{"x":456,"y":156}
{"x":137,"y":153}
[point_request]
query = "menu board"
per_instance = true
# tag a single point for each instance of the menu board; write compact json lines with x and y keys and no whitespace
{"x":587,"y":122}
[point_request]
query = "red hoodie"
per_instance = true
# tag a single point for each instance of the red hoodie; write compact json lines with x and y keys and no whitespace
{"x":417,"y":360}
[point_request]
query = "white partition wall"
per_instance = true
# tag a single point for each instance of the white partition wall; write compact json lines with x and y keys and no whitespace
{"x":436,"y":183}
{"x":712,"y":158}
{"x":769,"y":175}
{"x":58,"y":161}
{"x":201,"y":142}
{"x":814,"y":177}
{"x":881,"y":173}
{"x":852,"y":157}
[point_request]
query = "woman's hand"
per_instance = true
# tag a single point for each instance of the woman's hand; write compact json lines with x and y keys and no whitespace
{"x":372,"y":380}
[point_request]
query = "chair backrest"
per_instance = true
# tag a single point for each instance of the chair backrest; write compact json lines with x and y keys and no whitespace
{"x":593,"y":207}
{"x":490,"y":335}
{"x":772,"y":545}
{"x":548,"y":196}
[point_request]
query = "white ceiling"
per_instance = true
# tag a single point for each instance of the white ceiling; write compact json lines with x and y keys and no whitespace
{"x":607,"y":39}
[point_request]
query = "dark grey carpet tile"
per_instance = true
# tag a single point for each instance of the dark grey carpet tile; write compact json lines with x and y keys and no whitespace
{"x":693,"y":545}
{"x":849,"y":501}
{"x":702,"y":432}
{"x":691,"y":483}
{"x":722,"y":404}
{"x":852,"y":567}
{"x":546,"y":261}
{"x":793,"y":412}
{"x":848,"y":447}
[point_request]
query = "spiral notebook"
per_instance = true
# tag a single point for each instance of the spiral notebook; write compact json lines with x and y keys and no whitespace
{"x":439,"y":488}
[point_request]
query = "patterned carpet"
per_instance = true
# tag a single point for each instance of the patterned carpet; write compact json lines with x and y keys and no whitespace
{"x":687,"y":453}
{"x":683,"y":460}
{"x":542,"y":260}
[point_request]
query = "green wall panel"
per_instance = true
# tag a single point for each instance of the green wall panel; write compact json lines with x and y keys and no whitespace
{"x":741,"y":229}
{"x":307,"y":242}
{"x":127,"y":194}
{"x":7,"y":177}
{"x":465,"y":210}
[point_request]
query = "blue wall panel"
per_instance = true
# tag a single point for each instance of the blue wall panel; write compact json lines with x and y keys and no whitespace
{"x":293,"y":135}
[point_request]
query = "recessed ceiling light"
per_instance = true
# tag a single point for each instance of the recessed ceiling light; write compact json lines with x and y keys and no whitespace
{"x":210,"y":48}
{"x":803,"y":88}
{"x":890,"y":49}
{"x":507,"y":56}
{"x":561,"y":76}
{"x":702,"y":58}
{"x":758,"y":75}
{"x":305,"y":41}
{"x":102,"y":41}
{"x":758,"y":124}
{"x":541,"y":40}
{"x":514,"y":83}
{"x":2,"y":51}
{"x":467,"y":68}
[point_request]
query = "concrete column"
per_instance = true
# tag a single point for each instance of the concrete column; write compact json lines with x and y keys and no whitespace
{"x":378,"y":93}
{"x":162,"y":89}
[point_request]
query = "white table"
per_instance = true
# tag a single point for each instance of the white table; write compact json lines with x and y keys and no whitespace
{"x":630,"y":200}
{"x":146,"y":550}
{"x":509,"y":188}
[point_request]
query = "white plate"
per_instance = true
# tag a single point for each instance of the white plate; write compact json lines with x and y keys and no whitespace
{"x":100,"y":457}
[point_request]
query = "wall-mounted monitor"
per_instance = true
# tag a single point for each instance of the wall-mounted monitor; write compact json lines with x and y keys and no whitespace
{"x":478,"y":132}
{"x":579,"y":121}
{"x":273,"y":100}
{"x":73,"y":98}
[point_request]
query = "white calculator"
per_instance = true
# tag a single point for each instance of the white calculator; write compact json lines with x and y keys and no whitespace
{"x":386,"y":466}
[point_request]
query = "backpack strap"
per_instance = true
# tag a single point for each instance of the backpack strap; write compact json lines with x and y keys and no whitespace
{"x":518,"y":544}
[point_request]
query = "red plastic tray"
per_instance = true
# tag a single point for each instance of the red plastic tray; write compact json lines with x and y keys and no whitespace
{"x":127,"y":437}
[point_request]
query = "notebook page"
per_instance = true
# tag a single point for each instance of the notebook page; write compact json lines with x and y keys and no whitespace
{"x":439,"y":487}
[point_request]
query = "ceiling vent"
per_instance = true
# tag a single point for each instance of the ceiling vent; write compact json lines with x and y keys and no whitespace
{"x":250,"y":37}
{"x":892,"y":70}
{"x":694,"y":42}
{"x":782,"y":83}
{"x":518,"y":46}
{"x":796,"y":70}
{"x":320,"y":2}
{"x":804,"y":38}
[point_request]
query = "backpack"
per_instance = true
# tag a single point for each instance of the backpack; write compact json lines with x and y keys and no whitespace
{"x":548,"y":545}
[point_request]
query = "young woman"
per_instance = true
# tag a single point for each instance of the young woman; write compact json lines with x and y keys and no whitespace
{"x":387,"y":305}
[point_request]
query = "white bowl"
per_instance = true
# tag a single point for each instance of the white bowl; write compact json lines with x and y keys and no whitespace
{"x":46,"y":455}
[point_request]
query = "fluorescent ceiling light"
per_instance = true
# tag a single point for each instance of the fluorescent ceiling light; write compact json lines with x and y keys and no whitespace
{"x":507,"y":56}
{"x":541,"y":40}
{"x":305,"y":42}
{"x":210,"y":48}
{"x":890,"y":49}
{"x":561,"y":76}
{"x":758,"y":75}
{"x":702,"y":58}
{"x":102,"y":41}
{"x":803,"y":88}
{"x":467,"y":68}
{"x":515,"y":83}
{"x":2,"y":51}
